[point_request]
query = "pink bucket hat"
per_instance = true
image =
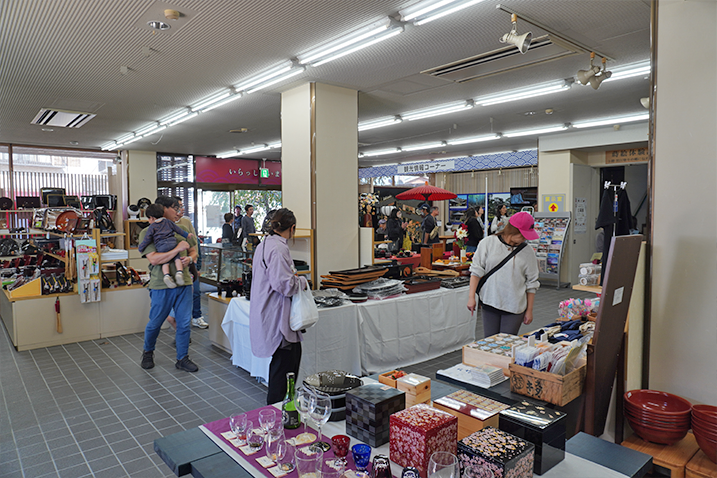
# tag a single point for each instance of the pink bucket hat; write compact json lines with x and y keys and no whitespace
{"x":525,"y":224}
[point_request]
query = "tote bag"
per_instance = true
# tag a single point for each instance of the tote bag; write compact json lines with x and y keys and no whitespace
{"x":304,"y":312}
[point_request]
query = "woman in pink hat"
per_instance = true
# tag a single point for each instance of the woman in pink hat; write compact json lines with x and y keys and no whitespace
{"x":508,"y":292}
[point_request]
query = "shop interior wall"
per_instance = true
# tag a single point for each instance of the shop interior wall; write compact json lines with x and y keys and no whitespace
{"x":141,"y":171}
{"x":684,"y":251}
{"x":337,"y":233}
{"x":554,"y":172}
{"x":585,"y":183}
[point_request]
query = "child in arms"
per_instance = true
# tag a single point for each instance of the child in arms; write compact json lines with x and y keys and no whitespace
{"x":161,"y":232}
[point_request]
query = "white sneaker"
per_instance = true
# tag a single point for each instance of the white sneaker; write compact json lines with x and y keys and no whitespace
{"x":179,"y":278}
{"x":169,"y":281}
{"x":200,"y":323}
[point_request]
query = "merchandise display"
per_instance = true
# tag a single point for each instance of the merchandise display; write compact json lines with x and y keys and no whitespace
{"x":417,"y":388}
{"x":420,"y":431}
{"x":568,"y":309}
{"x":348,"y":279}
{"x":474,"y":412}
{"x":505,"y":455}
{"x":368,"y":409}
{"x":485,"y":376}
{"x":381,"y":288}
{"x":552,"y":229}
{"x":659,"y":417}
{"x":334,"y":383}
{"x":704,"y":427}
{"x":496,"y":350}
{"x":541,"y":426}
{"x":567,"y":331}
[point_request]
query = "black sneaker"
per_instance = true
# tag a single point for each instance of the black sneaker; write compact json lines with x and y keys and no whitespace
{"x":186,"y":365}
{"x":147,"y":359}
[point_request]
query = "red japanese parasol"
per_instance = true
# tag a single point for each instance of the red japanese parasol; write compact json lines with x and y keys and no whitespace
{"x":426,"y":193}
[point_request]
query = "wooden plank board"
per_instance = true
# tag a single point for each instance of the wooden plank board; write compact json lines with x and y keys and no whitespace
{"x":700,"y":467}
{"x":673,"y":457}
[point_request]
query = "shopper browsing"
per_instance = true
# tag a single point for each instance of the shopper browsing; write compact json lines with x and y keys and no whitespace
{"x":430,"y":227}
{"x":248,"y":227}
{"x":227,"y":229}
{"x":161,"y":232}
{"x":236,"y":224}
{"x":508,"y":292}
{"x":274,"y":282}
{"x":395,"y":229}
{"x":475,"y":226}
{"x":163,"y":299}
{"x":500,"y":220}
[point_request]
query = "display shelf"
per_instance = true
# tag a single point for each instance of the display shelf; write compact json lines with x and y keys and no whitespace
{"x":222,"y":262}
{"x":376,"y":260}
{"x":595,"y":289}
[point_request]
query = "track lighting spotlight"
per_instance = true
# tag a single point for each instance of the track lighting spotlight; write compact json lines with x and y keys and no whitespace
{"x":645,"y":102}
{"x":584,"y":76}
{"x":597,"y":79}
{"x":521,"y":41}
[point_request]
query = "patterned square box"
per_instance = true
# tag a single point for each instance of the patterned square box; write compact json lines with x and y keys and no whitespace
{"x":368,"y":409}
{"x":420,"y":431}
{"x":474,"y":412}
{"x":506,"y":455}
{"x":542,"y":426}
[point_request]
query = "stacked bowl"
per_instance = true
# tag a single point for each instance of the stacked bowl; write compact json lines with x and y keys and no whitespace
{"x":657,"y":417}
{"x":704,"y":426}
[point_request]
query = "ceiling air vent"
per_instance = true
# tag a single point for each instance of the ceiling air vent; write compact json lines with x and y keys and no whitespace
{"x":62,"y":118}
{"x":542,"y":49}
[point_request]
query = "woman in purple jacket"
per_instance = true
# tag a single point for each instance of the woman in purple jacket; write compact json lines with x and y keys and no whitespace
{"x":274,"y":282}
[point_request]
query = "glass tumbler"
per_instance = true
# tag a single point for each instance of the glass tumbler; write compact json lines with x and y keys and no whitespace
{"x":362,"y":455}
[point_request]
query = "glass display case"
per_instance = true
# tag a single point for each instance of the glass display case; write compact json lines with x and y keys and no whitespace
{"x":223,"y":262}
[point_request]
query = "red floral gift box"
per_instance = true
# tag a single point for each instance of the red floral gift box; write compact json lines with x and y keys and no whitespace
{"x":418,"y":432}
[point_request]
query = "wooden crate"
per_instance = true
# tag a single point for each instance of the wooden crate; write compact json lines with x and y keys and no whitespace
{"x":457,"y":404}
{"x":417,"y":388}
{"x":386,"y":379}
{"x":548,"y":387}
{"x":476,"y":358}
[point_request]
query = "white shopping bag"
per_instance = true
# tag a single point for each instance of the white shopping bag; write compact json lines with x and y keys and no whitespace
{"x":304,"y":312}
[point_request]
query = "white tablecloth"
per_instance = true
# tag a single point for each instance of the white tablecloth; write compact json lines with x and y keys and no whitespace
{"x":366,"y":338}
{"x":331,"y":344}
{"x":413,"y":328}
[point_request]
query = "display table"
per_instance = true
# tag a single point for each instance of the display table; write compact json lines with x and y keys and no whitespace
{"x":331,"y":344}
{"x":365,"y":338}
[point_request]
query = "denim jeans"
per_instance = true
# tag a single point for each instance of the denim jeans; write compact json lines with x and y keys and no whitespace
{"x":162,"y":302}
{"x":196,"y":300}
{"x":471,"y":248}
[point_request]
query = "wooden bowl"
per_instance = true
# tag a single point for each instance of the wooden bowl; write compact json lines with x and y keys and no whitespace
{"x":662,"y":403}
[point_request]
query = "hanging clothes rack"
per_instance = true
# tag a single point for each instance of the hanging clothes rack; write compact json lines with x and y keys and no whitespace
{"x":615,"y":187}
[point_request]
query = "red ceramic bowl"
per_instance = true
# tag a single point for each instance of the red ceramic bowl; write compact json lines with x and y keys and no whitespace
{"x":660,"y":402}
{"x":642,"y":414}
{"x":706,"y":413}
{"x":655,"y":435}
{"x":708,"y":432}
{"x":706,"y":423}
{"x":709,"y":447}
{"x":658,"y":423}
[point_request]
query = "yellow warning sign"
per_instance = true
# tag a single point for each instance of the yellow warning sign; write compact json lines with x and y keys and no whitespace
{"x":553,"y":207}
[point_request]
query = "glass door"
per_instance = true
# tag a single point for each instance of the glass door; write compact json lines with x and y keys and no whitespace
{"x":211,"y":207}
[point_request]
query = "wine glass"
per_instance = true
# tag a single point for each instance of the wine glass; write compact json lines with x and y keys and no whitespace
{"x":443,"y":465}
{"x":302,"y":402}
{"x":267,"y":418}
{"x":320,"y":411}
{"x":238,"y":423}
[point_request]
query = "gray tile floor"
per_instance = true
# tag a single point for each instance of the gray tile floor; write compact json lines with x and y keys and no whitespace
{"x":89,"y":410}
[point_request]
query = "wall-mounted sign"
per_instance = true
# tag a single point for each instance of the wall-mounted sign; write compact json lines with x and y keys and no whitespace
{"x":422,"y":168}
{"x":581,"y":215}
{"x":237,"y":171}
{"x":263,"y":172}
{"x":553,"y":202}
{"x":626,"y":156}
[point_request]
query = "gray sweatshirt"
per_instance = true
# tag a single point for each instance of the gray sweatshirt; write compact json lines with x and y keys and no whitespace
{"x":506,"y":289}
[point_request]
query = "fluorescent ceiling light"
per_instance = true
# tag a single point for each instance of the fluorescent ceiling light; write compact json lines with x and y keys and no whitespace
{"x":381,"y":152}
{"x":274,"y":145}
{"x":437,"y":110}
{"x":418,"y":147}
{"x":147,"y":129}
{"x":129,"y":141}
{"x":550,"y":129}
{"x":392,"y":32}
{"x":285,"y":76}
{"x":108,"y":146}
{"x":611,"y":121}
{"x":154,"y":131}
{"x":523,"y":93}
{"x":349,"y":43}
{"x":476,"y":139}
{"x":379,"y":123}
{"x":629,"y":71}
{"x":231,"y":98}
{"x":171,"y":119}
{"x":429,"y":10}
{"x":255,"y":149}
{"x":225,"y":93}
{"x":182,"y":119}
{"x":228,"y":154}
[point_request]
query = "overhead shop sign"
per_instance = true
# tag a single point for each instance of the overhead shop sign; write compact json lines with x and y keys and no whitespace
{"x":421,"y":168}
{"x":237,"y":171}
{"x":634,"y":155}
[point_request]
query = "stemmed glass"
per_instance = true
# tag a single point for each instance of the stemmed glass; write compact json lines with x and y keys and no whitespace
{"x":267,"y":419}
{"x":238,"y":423}
{"x":443,"y":465}
{"x":320,"y":411}
{"x":302,"y":401}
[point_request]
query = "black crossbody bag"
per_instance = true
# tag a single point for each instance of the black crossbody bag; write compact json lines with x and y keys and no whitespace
{"x":502,"y":263}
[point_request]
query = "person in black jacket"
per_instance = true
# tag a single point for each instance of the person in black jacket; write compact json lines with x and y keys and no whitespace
{"x":395,"y":230}
{"x":475,"y":228}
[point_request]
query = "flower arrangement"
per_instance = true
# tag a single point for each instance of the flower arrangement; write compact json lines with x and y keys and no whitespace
{"x":461,"y":235}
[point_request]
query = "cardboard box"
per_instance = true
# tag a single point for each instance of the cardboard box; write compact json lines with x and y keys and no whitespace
{"x":548,"y":387}
{"x":417,"y":388}
{"x":506,"y":455}
{"x":541,"y":426}
{"x":420,"y":431}
{"x":474,"y":412}
{"x":368,"y":409}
